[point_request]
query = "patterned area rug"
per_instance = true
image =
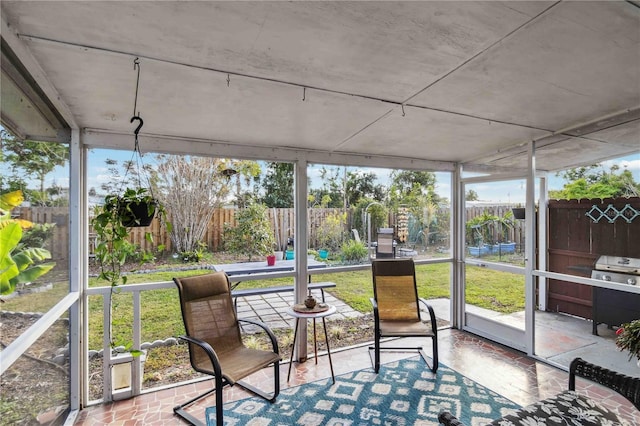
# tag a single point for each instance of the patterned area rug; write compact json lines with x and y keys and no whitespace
{"x":403,"y":393}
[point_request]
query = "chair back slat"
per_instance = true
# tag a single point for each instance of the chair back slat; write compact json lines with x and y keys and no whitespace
{"x":394,"y":288}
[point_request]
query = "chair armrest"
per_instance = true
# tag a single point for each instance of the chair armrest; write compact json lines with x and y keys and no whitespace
{"x":627,"y":386}
{"x":448,"y":419}
{"x":432,"y":316}
{"x":272,"y":337}
{"x":210,"y":353}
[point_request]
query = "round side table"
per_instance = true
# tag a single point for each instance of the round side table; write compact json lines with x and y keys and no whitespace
{"x":314,"y":315}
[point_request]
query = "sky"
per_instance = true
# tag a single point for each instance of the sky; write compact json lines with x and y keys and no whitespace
{"x":495,"y":192}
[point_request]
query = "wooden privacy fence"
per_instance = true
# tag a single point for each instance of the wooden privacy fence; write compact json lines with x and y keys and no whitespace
{"x":514,"y":234}
{"x":282,"y":220}
{"x":58,"y":245}
{"x":580,"y":231}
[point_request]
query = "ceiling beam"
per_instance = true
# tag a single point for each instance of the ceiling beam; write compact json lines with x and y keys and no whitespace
{"x":28,"y":61}
{"x":97,"y":138}
{"x":578,"y":131}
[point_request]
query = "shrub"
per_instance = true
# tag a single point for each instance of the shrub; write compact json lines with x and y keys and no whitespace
{"x":331,"y":231}
{"x":354,"y":251}
{"x":252,"y":236}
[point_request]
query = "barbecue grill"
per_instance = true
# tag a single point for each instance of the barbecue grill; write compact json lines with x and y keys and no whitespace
{"x":614,"y":307}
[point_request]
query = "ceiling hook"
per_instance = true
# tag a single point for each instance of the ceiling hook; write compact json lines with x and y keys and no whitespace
{"x":228,"y":79}
{"x":304,"y":93}
{"x":403,"y":114}
{"x":137,"y":130}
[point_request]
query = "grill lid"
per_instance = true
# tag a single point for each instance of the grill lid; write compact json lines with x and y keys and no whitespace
{"x":625,"y":265}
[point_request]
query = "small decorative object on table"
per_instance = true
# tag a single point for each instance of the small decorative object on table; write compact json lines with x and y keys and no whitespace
{"x":629,"y":339}
{"x":318,"y":308}
{"x":310,"y":301}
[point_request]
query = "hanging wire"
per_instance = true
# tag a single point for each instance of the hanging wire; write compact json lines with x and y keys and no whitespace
{"x":136,"y":65}
{"x":136,"y":157}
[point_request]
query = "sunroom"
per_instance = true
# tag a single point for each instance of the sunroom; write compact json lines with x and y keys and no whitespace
{"x":476,"y":93}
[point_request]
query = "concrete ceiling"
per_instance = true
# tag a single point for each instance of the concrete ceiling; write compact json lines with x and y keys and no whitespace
{"x":454,"y":82}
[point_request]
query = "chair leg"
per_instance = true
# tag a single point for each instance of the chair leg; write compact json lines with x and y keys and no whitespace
{"x":271,"y":397}
{"x":219,"y":409}
{"x":376,"y":355}
{"x":180,"y":411}
{"x":377,"y":349}
{"x":435,"y":355}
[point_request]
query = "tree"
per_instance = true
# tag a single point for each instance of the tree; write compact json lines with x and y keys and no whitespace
{"x":33,"y":160}
{"x":595,"y":182}
{"x":362,"y":185}
{"x":471,"y":195}
{"x":190,"y":188}
{"x":243,"y":171}
{"x":416,"y":191}
{"x":332,"y":192}
{"x":407,"y":186}
{"x":278,"y":185}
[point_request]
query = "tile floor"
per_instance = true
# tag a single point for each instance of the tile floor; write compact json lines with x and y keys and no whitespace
{"x":507,"y":372}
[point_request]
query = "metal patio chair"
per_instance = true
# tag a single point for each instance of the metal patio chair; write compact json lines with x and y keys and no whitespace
{"x":214,"y":339}
{"x":396,"y":308}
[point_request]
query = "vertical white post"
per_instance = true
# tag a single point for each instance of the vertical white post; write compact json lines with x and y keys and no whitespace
{"x":457,"y":244}
{"x":77,"y":271}
{"x":530,"y":252}
{"x":137,"y":366}
{"x":300,"y":249}
{"x":106,"y":345}
{"x":543,"y":283}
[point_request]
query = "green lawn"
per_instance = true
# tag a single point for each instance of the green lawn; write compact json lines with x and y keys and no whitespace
{"x":161,"y":318}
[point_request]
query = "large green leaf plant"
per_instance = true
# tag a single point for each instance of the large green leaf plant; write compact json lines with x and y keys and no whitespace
{"x":19,"y":264}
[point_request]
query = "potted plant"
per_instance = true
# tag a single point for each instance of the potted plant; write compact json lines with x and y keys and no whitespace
{"x":136,"y":207}
{"x":628,"y":338}
{"x":118,"y":213}
{"x":518,"y":212}
{"x":112,"y":224}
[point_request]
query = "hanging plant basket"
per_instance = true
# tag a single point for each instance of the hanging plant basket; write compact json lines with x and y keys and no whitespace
{"x":137,"y":214}
{"x":518,"y":212}
{"x":135,"y":208}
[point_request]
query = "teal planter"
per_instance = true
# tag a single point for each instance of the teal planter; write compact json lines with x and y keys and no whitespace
{"x":479,"y":251}
{"x":504,"y":248}
{"x":323,"y":254}
{"x":289,"y":255}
